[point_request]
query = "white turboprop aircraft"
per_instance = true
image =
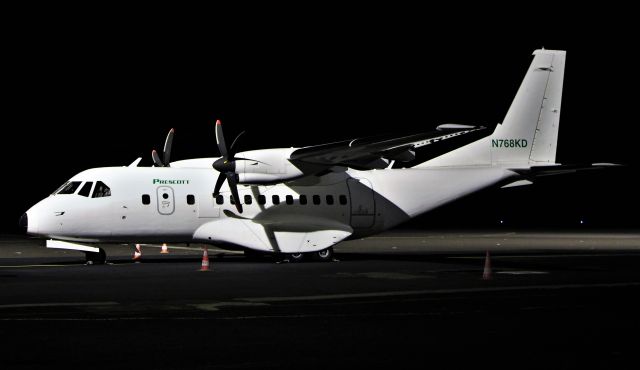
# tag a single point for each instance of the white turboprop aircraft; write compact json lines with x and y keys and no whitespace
{"x":302,"y":201}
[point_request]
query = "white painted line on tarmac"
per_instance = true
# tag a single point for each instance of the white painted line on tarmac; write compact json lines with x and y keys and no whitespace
{"x":27,"y":266}
{"x":216,"y":306}
{"x":59,"y":304}
{"x":633,"y":253}
{"x":442,"y":236}
{"x":435,"y":291}
{"x":142,"y":318}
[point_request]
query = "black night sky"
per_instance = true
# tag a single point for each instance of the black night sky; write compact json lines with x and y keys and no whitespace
{"x":104,"y":88}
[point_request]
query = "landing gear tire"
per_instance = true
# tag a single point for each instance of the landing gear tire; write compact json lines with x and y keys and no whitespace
{"x":96,"y":258}
{"x":295,"y":257}
{"x":324,"y":255}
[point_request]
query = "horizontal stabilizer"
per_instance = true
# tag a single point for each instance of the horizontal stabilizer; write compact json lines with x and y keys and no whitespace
{"x":561,"y":169}
{"x":517,"y":183}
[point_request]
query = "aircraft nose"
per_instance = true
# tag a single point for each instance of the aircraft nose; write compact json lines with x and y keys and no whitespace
{"x":24,"y":223}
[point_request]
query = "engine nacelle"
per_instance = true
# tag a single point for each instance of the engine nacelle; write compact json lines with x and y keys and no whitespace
{"x":265,"y":166}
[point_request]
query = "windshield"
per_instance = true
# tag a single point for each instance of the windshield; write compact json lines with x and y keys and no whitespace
{"x":68,"y":188}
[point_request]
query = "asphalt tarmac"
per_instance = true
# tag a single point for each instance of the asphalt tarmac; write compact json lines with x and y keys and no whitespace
{"x":402,"y":300}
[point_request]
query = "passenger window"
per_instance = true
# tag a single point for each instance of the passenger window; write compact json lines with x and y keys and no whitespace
{"x":275,"y":199}
{"x":316,"y":199}
{"x":85,"y":190}
{"x":343,"y":199}
{"x":303,"y":199}
{"x":289,"y":199}
{"x":191,"y":199}
{"x":70,"y":187}
{"x":146,"y":199}
{"x":330,"y":199}
{"x":220,"y":199}
{"x":262,"y":199}
{"x":247,"y":199}
{"x":101,"y":190}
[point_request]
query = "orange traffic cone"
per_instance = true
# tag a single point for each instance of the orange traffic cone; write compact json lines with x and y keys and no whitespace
{"x":486,"y":274}
{"x":205,"y":260}
{"x":164,"y":250}
{"x":138,"y":253}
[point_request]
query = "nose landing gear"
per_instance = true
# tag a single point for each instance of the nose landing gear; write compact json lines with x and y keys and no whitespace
{"x":96,"y":258}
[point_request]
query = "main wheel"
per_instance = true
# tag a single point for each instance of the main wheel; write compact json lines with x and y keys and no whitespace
{"x":295,"y":257}
{"x":96,"y":258}
{"x":324,"y":255}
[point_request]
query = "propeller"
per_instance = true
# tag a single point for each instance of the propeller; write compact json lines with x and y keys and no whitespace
{"x":166,"y":154}
{"x":226,"y":165}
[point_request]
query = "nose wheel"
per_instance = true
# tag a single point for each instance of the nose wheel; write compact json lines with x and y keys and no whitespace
{"x":96,"y":258}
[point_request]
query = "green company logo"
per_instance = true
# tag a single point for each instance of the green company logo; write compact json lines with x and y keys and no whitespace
{"x":509,"y":143}
{"x":170,"y":182}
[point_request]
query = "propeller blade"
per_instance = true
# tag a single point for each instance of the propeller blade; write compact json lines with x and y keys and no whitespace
{"x":167,"y":148}
{"x":156,"y":159}
{"x":233,"y":185}
{"x":235,"y":141}
{"x":219,"y":182}
{"x":256,"y":195}
{"x":222,"y":146}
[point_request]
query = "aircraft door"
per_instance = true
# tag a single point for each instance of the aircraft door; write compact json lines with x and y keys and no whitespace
{"x":362,"y":203}
{"x":166,"y":202}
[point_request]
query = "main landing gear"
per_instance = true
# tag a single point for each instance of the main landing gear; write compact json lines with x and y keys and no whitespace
{"x":324,"y":255}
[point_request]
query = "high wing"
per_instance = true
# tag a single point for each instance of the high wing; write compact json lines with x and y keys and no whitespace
{"x":275,"y":165}
{"x":373,"y":152}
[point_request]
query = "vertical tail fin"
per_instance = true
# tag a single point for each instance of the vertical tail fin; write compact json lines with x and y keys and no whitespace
{"x":529,"y":132}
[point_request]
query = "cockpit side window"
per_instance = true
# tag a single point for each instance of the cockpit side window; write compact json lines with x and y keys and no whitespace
{"x":85,"y":190}
{"x":101,"y":190}
{"x":69,"y":187}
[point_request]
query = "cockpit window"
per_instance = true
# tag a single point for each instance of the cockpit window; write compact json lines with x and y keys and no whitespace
{"x":101,"y":190}
{"x":60,"y":188}
{"x":69,"y":187}
{"x":85,"y":190}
